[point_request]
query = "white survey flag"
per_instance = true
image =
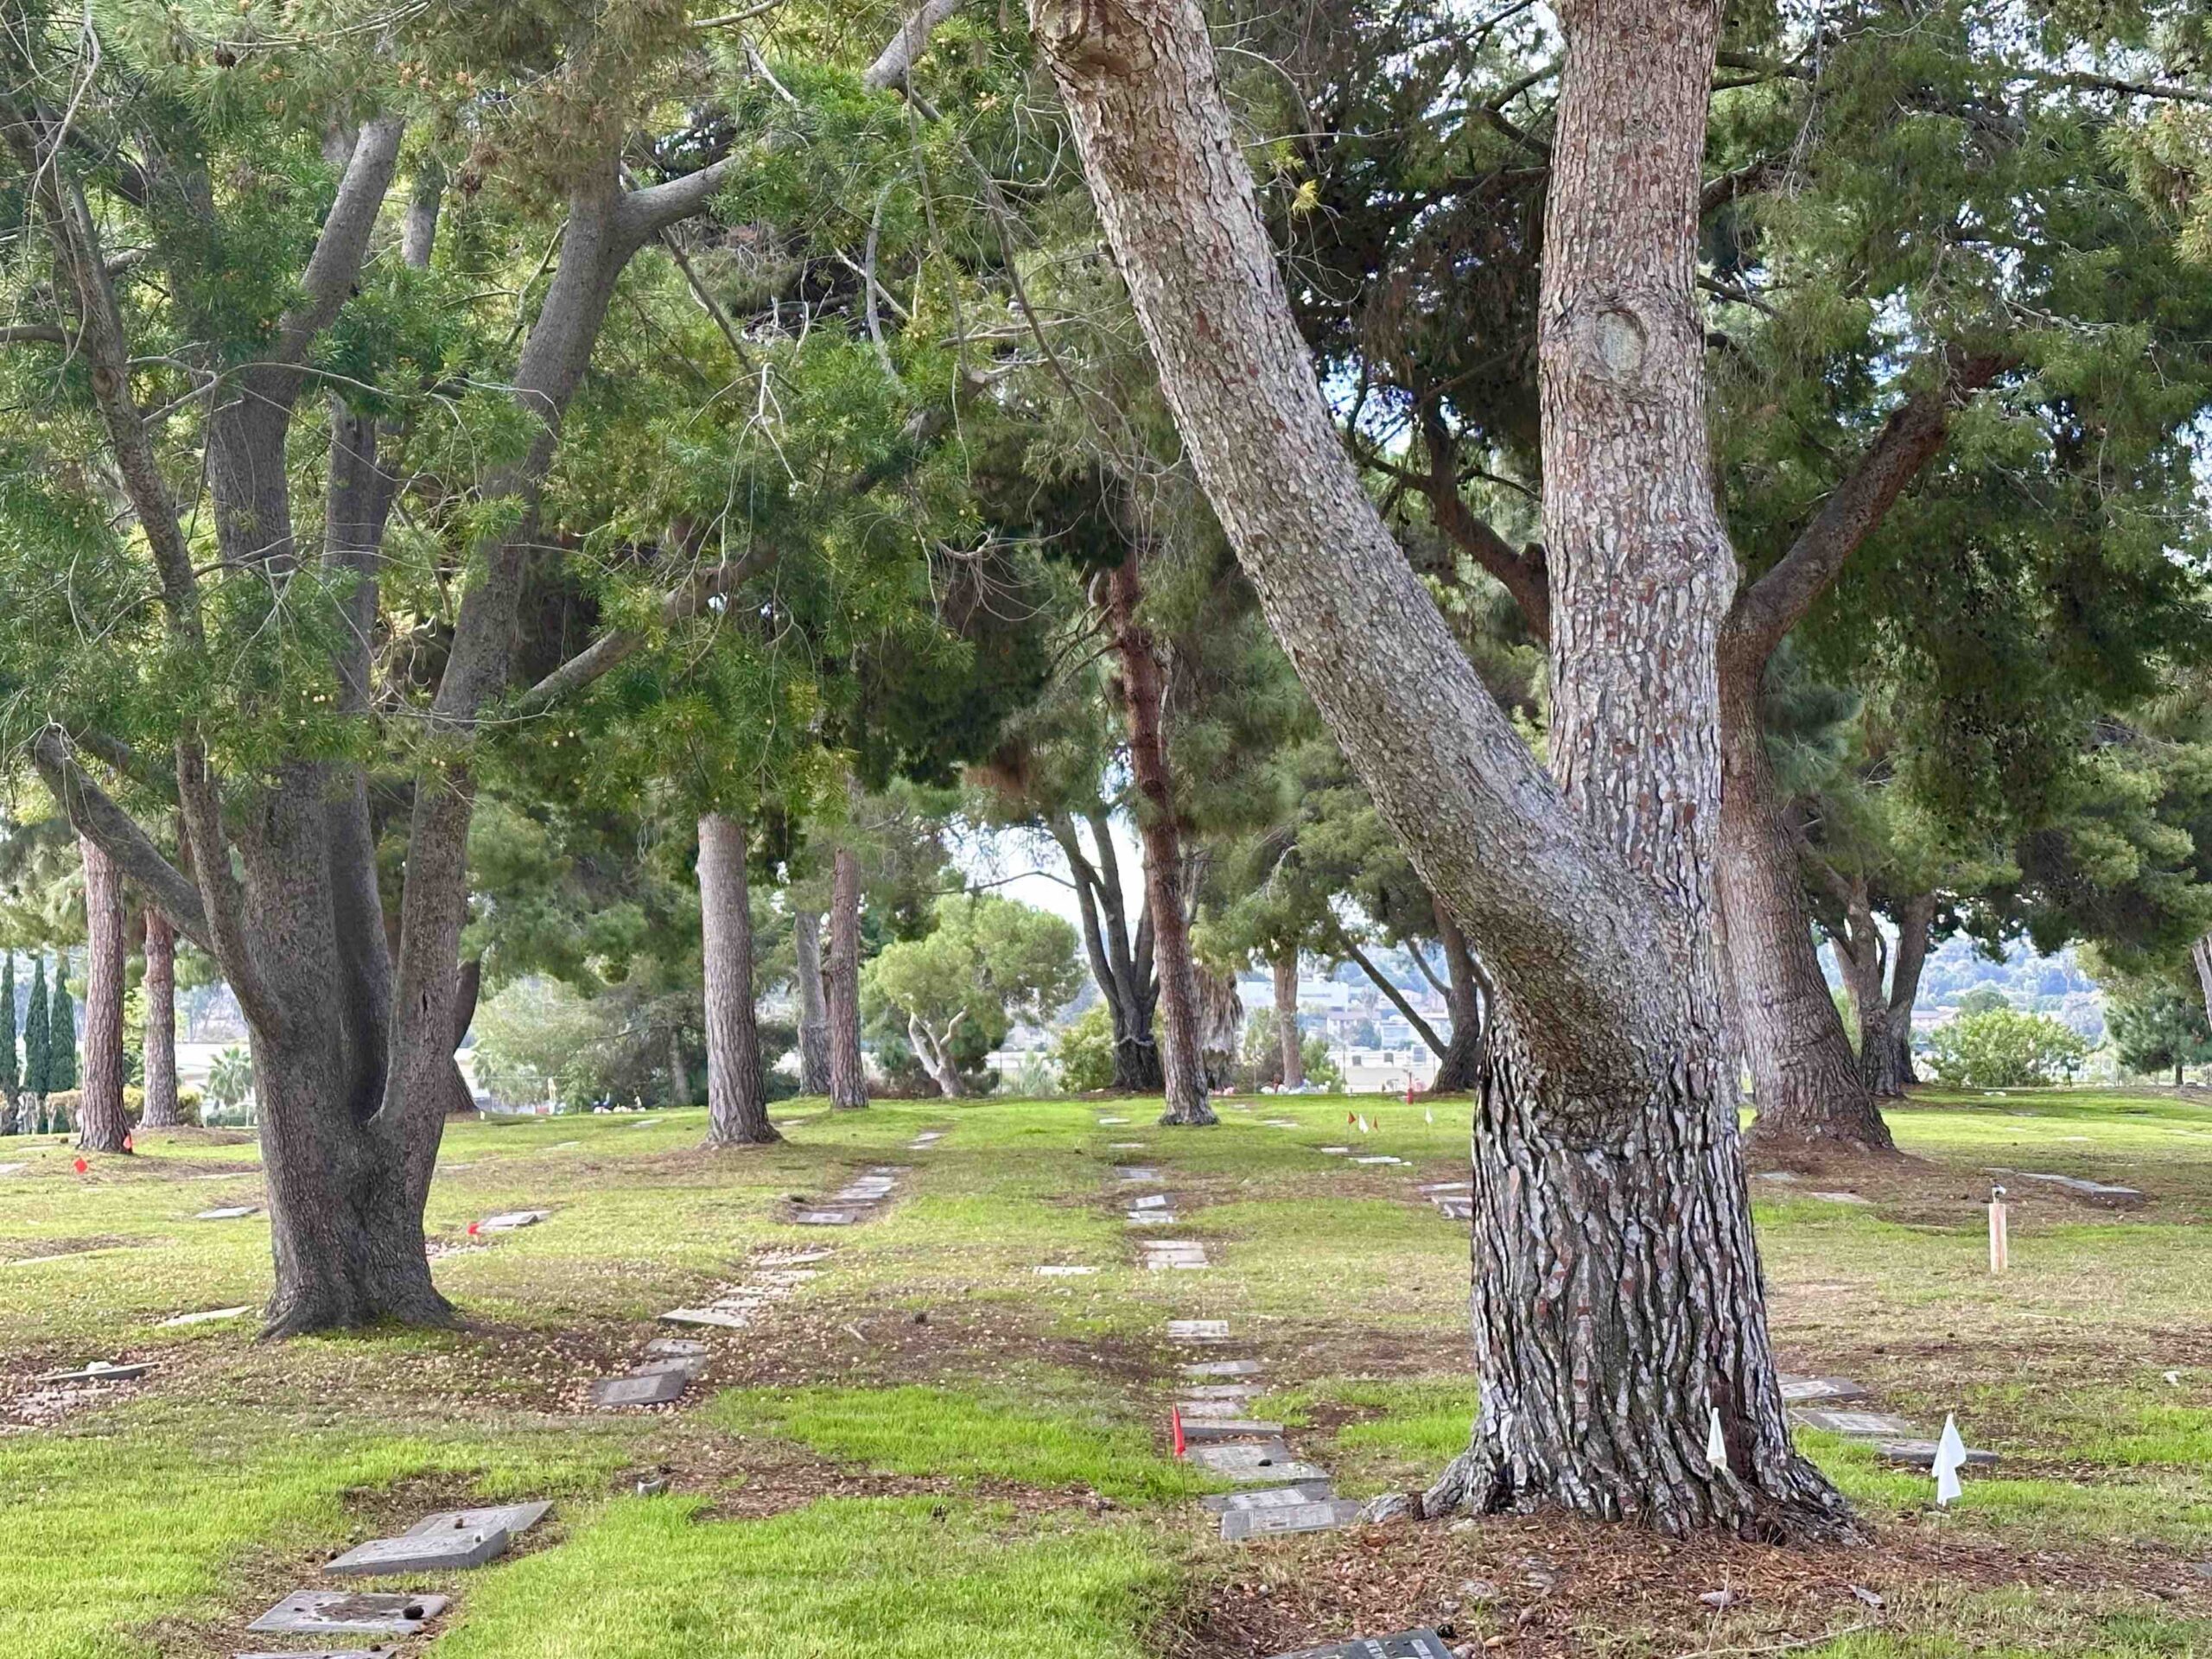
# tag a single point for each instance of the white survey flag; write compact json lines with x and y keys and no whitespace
{"x":1716,"y":1443}
{"x":1950,"y":1458}
{"x":1429,"y":1113}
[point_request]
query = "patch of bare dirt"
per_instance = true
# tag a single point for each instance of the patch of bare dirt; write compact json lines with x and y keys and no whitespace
{"x":1551,"y":1587}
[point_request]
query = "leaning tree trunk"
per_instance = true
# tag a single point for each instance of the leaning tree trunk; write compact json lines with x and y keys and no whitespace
{"x":1805,"y":1080}
{"x":1144,"y":692}
{"x":1615,"y":1291}
{"x":101,"y":1123}
{"x":813,"y":1011}
{"x":1459,"y":1069}
{"x":160,"y":1110}
{"x":934,"y":1052}
{"x":737,"y":1093}
{"x":847,"y":1074}
{"x":1287,"y":1036}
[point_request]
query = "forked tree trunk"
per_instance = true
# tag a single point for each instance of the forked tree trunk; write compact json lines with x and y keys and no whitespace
{"x":1144,"y":692}
{"x":1287,"y":1036}
{"x":101,"y":1124}
{"x":1616,"y":1286}
{"x":1805,"y":1079}
{"x":1121,"y":965}
{"x":1885,"y":1013}
{"x":848,"y":1073}
{"x":162,"y":1110}
{"x":934,"y":1052}
{"x":813,"y":1011}
{"x":1459,"y":1068}
{"x":737,"y":1094}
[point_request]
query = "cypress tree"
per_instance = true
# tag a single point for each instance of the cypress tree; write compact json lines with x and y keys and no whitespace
{"x":35,"y":1046}
{"x":61,"y":1035}
{"x":11,"y":1078}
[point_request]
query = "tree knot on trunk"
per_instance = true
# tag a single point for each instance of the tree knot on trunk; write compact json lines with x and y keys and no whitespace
{"x":1097,"y":41}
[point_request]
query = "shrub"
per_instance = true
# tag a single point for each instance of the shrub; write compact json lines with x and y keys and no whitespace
{"x":2001,"y":1048}
{"x":1085,"y":1052}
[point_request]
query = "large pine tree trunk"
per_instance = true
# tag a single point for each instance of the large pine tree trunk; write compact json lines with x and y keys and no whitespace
{"x":1144,"y":693}
{"x":848,"y":1073}
{"x":813,"y":1010}
{"x":737,"y":1096}
{"x":1805,"y":1080}
{"x":160,"y":1110}
{"x":101,"y":1125}
{"x":1287,"y":1036}
{"x":1616,"y":1290}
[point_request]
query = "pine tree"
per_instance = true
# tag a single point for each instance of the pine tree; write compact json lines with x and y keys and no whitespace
{"x":61,"y":1035}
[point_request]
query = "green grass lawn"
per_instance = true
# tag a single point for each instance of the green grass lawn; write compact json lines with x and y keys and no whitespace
{"x":931,"y":1449}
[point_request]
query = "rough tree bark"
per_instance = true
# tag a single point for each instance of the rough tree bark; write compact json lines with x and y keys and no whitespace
{"x":162,"y":1110}
{"x":1121,"y":963}
{"x":1616,"y":1288}
{"x":848,"y":1072}
{"x":737,"y":1094}
{"x":1143,"y":687}
{"x":101,"y":1125}
{"x":1805,"y":1079}
{"x":813,"y":1011}
{"x":2201,"y":954}
{"x":679,"y":1074}
{"x":1289,"y":1038}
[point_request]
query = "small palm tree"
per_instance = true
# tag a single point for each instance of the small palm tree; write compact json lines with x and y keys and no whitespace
{"x":230,"y":1080}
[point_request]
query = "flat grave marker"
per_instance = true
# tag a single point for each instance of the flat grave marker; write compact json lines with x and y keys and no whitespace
{"x":326,"y":1653}
{"x":675,"y":1346}
{"x":1198,"y":1330}
{"x":1380,"y":1158}
{"x":1922,"y":1453}
{"x":1237,"y":1525}
{"x":1151,"y":1219}
{"x":229,"y":1212}
{"x":346,"y":1612}
{"x":1221,"y":1367}
{"x":99,"y":1370}
{"x":1405,"y":1644}
{"x":1255,"y":1461}
{"x":640,"y":1388}
{"x":511,"y":1219}
{"x":422,"y":1552}
{"x":1841,"y":1198}
{"x":9,"y":1169}
{"x":1160,"y":1258}
{"x":1139,"y":1174}
{"x":2087,"y":1189}
{"x":824,"y":1218}
{"x":1280,"y":1123}
{"x":728,"y":1319}
{"x":1861,"y":1423}
{"x":1110,"y":1121}
{"x":1129,"y":1146}
{"x":1805,"y":1390}
{"x":1464,"y":1189}
{"x":1335,"y":1152}
{"x":1220,"y":1391}
{"x":1456,"y":1209}
{"x":514,"y":1519}
{"x":1270,"y":1497}
{"x":1209,"y":1429}
{"x":1149,"y":1201}
{"x":209,"y":1316}
{"x":1063,"y":1270}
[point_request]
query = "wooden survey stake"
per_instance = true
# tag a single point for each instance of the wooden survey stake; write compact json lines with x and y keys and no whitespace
{"x":2000,"y":1245}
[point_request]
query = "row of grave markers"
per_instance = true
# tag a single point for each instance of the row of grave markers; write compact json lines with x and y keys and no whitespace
{"x":1282,"y":1494}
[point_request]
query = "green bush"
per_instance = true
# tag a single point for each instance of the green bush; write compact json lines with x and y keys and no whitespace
{"x":1085,"y":1052}
{"x":2001,"y":1048}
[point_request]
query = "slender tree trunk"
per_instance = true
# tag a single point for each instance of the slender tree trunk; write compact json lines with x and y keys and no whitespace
{"x":160,"y":1110}
{"x":1459,"y":1067}
{"x":935,"y":1053}
{"x":1144,"y":693}
{"x":813,"y":1009}
{"x":101,"y":1124}
{"x":679,"y":1074}
{"x":737,"y":1094}
{"x":460,"y":1099}
{"x":848,"y":1073}
{"x":1805,"y":1080}
{"x":1104,"y":918}
{"x":2201,"y":954}
{"x":1287,"y":1036}
{"x":1616,"y":1288}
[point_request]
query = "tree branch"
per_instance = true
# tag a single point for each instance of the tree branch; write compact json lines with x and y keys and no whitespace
{"x":644,"y":214}
{"x":1428,"y":1033}
{"x":896,"y":61}
{"x":335,"y":264}
{"x":1521,"y":574}
{"x":1778,"y":601}
{"x":93,"y":814}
